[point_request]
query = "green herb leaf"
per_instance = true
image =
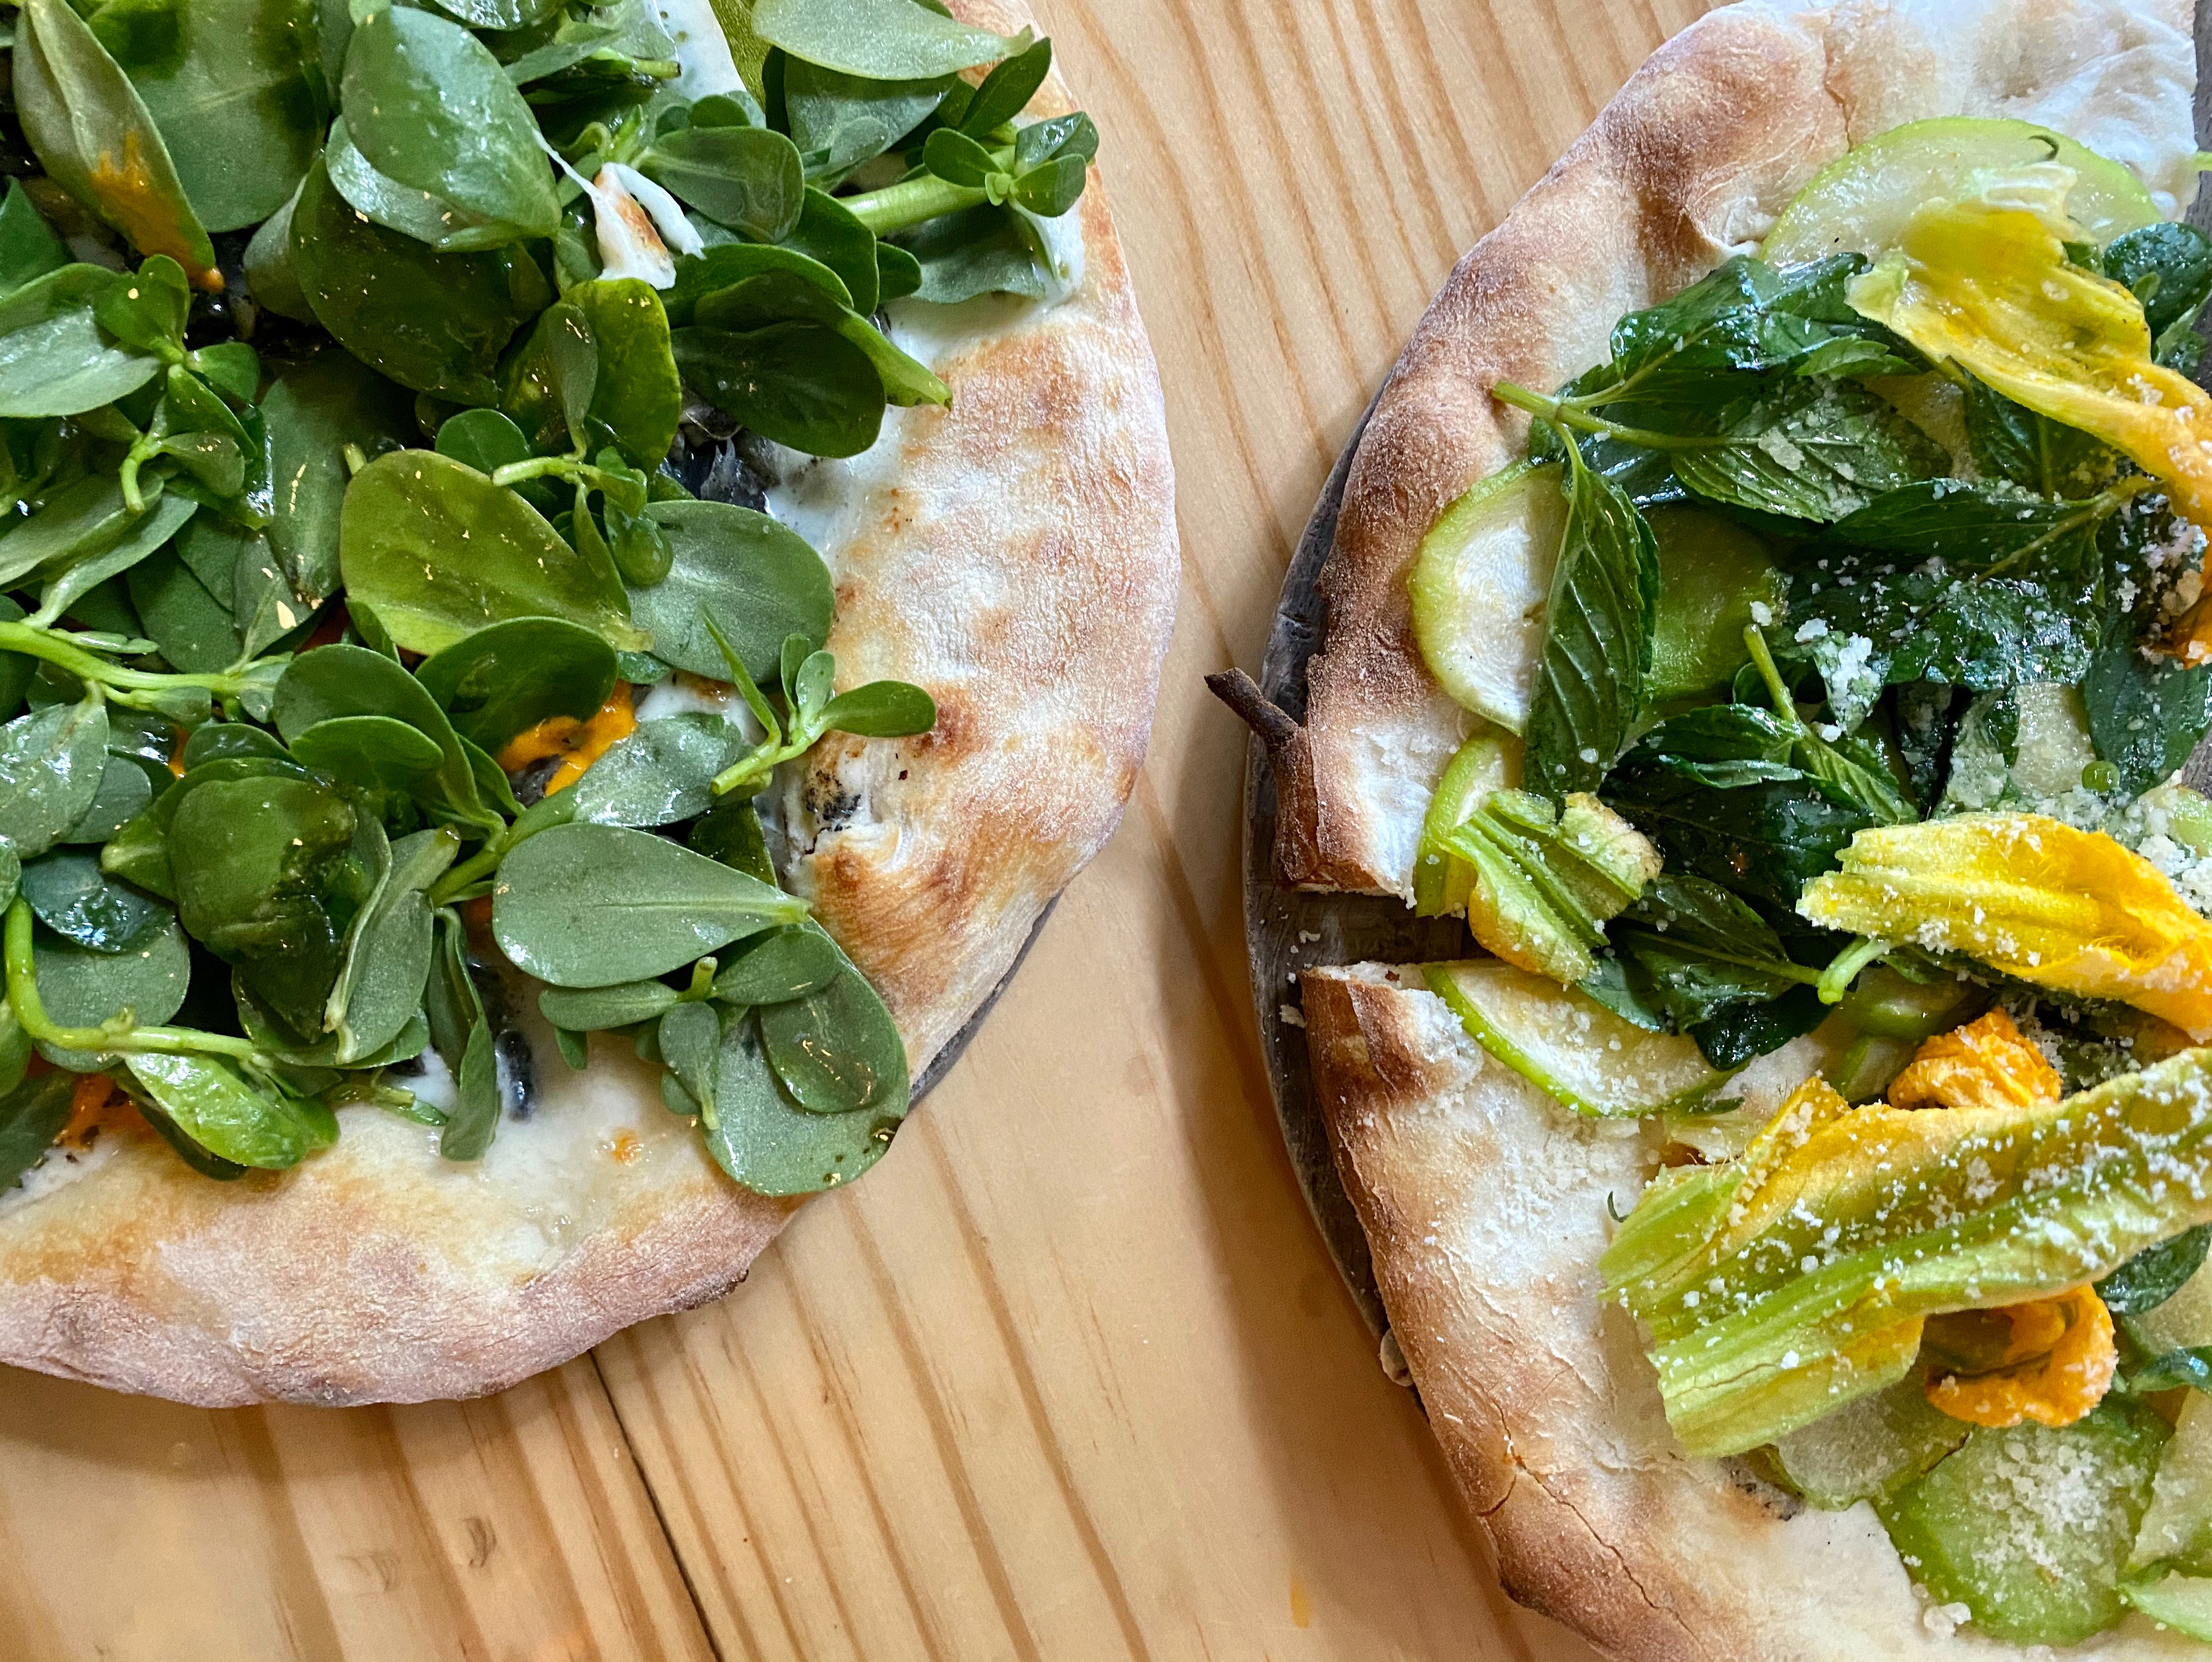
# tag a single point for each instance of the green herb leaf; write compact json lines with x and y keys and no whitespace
{"x":1764,"y":840}
{"x":192,"y":628}
{"x":690,"y":1038}
{"x":433,"y":322}
{"x":96,"y":137}
{"x":758,"y":579}
{"x":211,"y":1103}
{"x":225,"y":83}
{"x":634,"y":395}
{"x":1747,"y":317}
{"x":880,"y":709}
{"x":504,"y":680}
{"x":880,"y":40}
{"x":72,"y":898}
{"x":1692,"y":949}
{"x":801,"y":384}
{"x":838,"y":1051}
{"x":29,"y":248}
{"x":1597,"y":642}
{"x":388,"y":954}
{"x":595,"y":1009}
{"x":259,"y":865}
{"x":313,"y":409}
{"x":2011,"y":442}
{"x":776,"y":297}
{"x":428,"y":105}
{"x":661,"y":773}
{"x":32,"y":1116}
{"x":592,"y":905}
{"x":2169,"y":267}
{"x":766,"y":1142}
{"x":54,"y":359}
{"x":334,"y":682}
{"x":750,"y":179}
{"x":83,"y":987}
{"x":438,"y":552}
{"x":839,"y":121}
{"x":468,"y":1133}
{"x":728,"y":264}
{"x":781,"y":965}
{"x":2149,"y":1279}
{"x":1809,"y":450}
{"x":52,"y":762}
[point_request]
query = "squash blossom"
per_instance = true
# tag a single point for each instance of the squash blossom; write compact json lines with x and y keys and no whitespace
{"x":1775,"y":1287}
{"x":1985,"y":283}
{"x":1984,"y":1064}
{"x":2051,"y":1360}
{"x":2068,"y":909}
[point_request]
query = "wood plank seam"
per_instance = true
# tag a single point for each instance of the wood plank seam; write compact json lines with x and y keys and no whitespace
{"x":660,"y":1518}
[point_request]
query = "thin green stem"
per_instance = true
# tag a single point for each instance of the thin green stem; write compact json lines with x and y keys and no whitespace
{"x":1836,"y":980}
{"x":120,"y":1032}
{"x":1778,"y":691}
{"x":1560,"y":413}
{"x":762,"y":761}
{"x":551,"y":811}
{"x":924,"y":197}
{"x":537,"y":467}
{"x":2095,"y":511}
{"x":57,"y":647}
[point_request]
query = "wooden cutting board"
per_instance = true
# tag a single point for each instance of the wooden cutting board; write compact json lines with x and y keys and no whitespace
{"x":1070,"y":1376}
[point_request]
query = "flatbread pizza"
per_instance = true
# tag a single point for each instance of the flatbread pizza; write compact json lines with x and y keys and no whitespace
{"x":1768,"y":604}
{"x":582,"y":576}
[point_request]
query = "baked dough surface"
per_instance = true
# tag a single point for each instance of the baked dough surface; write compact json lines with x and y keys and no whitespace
{"x":1016,"y":555}
{"x":1484,"y":1202}
{"x":1689,"y":164}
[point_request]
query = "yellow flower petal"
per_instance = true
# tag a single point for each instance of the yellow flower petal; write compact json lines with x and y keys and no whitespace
{"x":2056,"y":1363}
{"x":1984,"y":1064}
{"x":1985,"y":284}
{"x":2065,"y":909}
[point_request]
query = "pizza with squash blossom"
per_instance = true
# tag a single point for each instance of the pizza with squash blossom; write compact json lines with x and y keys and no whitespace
{"x":1769,"y":604}
{"x":577,"y":577}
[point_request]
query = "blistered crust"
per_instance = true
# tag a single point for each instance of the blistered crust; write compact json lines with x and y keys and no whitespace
{"x":1691,"y":162}
{"x":1021,"y":562}
{"x":1486,"y":1203}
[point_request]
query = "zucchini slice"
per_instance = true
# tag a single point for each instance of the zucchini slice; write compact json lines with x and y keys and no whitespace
{"x":1482,"y":590}
{"x":1568,"y":1044}
{"x":1859,"y":203}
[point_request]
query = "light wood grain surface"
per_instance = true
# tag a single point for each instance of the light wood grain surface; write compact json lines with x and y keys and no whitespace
{"x":1069,"y":1375}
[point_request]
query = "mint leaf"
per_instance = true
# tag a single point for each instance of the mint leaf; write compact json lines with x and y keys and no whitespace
{"x":1597,"y":643}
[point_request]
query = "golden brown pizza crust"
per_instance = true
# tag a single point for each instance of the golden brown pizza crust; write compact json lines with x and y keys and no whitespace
{"x":1016,"y":555}
{"x":1048,"y":587}
{"x":1690,"y":163}
{"x":1484,"y":1202}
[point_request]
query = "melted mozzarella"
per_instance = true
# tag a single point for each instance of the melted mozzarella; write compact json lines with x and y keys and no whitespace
{"x":701,"y":49}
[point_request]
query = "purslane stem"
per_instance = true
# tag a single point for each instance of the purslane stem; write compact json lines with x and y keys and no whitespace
{"x":57,"y":648}
{"x":924,"y":197}
{"x":118,"y":1032}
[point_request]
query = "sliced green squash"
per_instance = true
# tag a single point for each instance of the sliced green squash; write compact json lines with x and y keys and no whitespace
{"x":1868,"y":1449}
{"x":2028,"y":1526}
{"x":1715,"y":579}
{"x":1569,"y":1044}
{"x":1486,"y":763}
{"x":2175,"y":1533}
{"x":1482,"y":587}
{"x":1859,"y":203}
